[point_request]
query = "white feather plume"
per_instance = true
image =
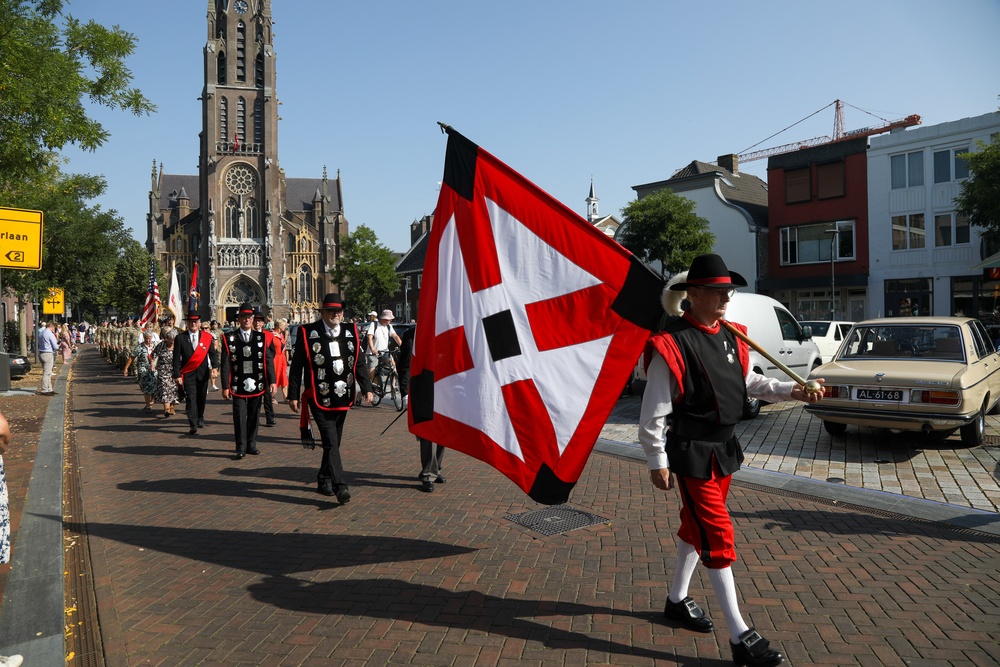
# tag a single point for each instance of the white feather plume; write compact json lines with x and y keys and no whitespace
{"x":671,"y":300}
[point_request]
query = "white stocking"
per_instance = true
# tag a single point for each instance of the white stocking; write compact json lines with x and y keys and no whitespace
{"x":725,"y":592}
{"x":687,"y":561}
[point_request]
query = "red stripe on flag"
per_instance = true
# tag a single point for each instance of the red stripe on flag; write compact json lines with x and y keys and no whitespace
{"x":451,"y":353}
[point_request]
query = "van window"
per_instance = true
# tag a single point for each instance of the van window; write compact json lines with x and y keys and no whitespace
{"x":789,"y":327}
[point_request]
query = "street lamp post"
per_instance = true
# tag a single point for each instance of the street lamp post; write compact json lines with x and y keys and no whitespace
{"x":834,"y":236}
{"x":406,"y":299}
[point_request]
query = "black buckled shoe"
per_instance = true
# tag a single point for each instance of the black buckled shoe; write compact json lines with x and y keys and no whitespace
{"x":689,"y":614}
{"x":753,"y":651}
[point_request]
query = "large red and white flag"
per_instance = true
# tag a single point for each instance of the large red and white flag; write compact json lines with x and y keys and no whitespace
{"x":193,"y":294}
{"x":530,"y":322}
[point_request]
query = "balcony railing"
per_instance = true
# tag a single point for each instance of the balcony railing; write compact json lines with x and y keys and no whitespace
{"x":230,"y":148}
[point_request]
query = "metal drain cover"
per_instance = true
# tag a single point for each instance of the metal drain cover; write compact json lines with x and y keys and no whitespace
{"x":556,"y":519}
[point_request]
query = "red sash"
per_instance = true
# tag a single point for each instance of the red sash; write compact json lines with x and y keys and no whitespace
{"x":199,"y":352}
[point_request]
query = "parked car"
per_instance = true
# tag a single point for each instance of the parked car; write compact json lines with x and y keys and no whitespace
{"x":931,"y":374}
{"x":828,"y":335}
{"x":19,"y":366}
{"x":771,"y":326}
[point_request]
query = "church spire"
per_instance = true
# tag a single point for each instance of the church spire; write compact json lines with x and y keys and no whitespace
{"x":592,"y":214}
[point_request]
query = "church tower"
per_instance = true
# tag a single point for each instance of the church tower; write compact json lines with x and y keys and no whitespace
{"x":257,"y":236}
{"x":592,"y":214}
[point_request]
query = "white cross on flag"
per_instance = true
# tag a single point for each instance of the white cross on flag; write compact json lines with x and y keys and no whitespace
{"x":531,"y":321}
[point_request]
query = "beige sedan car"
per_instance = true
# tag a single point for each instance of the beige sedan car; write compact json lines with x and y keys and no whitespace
{"x":930,"y":374}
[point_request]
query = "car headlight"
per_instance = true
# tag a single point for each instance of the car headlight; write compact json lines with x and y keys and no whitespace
{"x":936,"y":397}
{"x":17,"y":362}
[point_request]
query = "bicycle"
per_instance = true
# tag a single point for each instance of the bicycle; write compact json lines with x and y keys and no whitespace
{"x":387,"y":380}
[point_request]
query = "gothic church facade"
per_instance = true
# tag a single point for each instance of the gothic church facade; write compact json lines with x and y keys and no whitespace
{"x":257,"y":235}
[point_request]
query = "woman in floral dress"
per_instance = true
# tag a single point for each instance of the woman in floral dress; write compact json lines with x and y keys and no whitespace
{"x":142,"y":355}
{"x":163,"y":361}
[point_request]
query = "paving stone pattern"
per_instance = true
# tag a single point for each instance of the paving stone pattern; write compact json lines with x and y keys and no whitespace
{"x":202,"y":560}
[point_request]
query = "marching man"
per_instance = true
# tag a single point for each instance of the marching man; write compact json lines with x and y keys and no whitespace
{"x":247,"y":367}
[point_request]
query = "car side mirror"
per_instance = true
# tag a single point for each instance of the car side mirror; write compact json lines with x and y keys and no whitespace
{"x":807,"y":332}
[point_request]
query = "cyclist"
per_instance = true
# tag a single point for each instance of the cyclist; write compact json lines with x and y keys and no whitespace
{"x":378,"y":339}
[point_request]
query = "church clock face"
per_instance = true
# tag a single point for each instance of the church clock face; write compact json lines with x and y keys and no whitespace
{"x":241,"y":180}
{"x":240,"y":6}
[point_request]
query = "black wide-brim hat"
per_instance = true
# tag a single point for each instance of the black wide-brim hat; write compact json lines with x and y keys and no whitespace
{"x":709,"y":271}
{"x":245,"y":309}
{"x":333,"y":302}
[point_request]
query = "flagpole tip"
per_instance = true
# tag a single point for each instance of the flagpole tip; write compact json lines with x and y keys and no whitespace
{"x":444,"y":127}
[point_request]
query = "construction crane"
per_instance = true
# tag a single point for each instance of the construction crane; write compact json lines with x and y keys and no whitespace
{"x":838,"y":135}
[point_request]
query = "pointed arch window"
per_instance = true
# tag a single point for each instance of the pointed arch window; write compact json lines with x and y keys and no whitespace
{"x":182,"y":280}
{"x":224,"y":118}
{"x":290,"y":243}
{"x":258,"y":122}
{"x":253,"y":220}
{"x":220,"y":61}
{"x":241,"y":120}
{"x":258,"y":71}
{"x":241,"y":51}
{"x":305,"y":284}
{"x":232,"y":219}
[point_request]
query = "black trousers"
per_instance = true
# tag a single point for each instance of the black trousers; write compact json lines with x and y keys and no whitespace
{"x":330,"y":424}
{"x":196,"y":391}
{"x":431,"y":458}
{"x":268,"y":406}
{"x":246,"y":419}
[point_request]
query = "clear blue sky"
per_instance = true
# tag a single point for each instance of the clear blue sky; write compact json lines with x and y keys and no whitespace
{"x":563,"y":91}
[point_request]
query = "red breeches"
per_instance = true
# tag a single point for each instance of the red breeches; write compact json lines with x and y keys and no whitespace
{"x":705,"y":521}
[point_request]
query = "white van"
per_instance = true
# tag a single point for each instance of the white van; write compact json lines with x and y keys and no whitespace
{"x":771,"y":326}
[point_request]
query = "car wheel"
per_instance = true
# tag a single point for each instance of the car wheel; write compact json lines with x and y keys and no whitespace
{"x":751,"y":408}
{"x":974,"y":431}
{"x":833,"y":428}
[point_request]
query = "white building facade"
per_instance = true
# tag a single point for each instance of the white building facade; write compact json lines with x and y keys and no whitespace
{"x":922,"y":252}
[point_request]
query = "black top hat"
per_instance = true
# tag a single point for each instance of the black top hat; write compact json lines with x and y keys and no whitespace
{"x":193,"y":316}
{"x":333,"y":301}
{"x":710,"y":271}
{"x":257,"y":315}
{"x":245,"y":309}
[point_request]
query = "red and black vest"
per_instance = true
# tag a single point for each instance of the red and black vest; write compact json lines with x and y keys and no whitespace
{"x":331,"y":363}
{"x":246,"y":363}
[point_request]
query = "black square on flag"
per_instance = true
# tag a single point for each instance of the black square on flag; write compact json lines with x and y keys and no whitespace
{"x":501,"y":335}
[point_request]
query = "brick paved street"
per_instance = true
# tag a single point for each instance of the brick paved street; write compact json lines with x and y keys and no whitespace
{"x":202,"y":560}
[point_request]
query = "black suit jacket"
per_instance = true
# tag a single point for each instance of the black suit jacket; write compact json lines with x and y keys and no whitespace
{"x":183,"y":350}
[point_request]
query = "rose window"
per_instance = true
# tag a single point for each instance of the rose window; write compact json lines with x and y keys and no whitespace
{"x":241,"y":180}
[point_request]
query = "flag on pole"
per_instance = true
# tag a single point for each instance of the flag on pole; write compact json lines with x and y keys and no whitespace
{"x":152,"y":298}
{"x":174,"y":299}
{"x":193,"y":292}
{"x":531,"y":321}
{"x":236,"y":140}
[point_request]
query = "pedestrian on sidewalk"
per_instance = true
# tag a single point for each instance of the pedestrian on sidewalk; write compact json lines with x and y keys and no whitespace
{"x":699,"y":378}
{"x":192,"y":369}
{"x":431,"y":453}
{"x":327,"y":352}
{"x":247,"y":377}
{"x":5,"y":437}
{"x":47,"y":348}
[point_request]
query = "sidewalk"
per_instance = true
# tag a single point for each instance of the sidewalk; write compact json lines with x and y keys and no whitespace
{"x":201,"y":560}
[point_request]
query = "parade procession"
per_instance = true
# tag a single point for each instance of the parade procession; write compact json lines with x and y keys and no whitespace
{"x":401,"y":389}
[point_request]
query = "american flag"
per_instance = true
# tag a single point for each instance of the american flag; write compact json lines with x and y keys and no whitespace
{"x":152,"y":298}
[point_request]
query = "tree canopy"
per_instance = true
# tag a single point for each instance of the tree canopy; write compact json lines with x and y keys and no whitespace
{"x":979,"y":200}
{"x":663,"y":227}
{"x":128,"y":281}
{"x":366,"y":271}
{"x":50,"y":64}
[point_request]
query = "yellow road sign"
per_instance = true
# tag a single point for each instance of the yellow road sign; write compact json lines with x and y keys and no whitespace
{"x":54,"y":302}
{"x":20,"y":238}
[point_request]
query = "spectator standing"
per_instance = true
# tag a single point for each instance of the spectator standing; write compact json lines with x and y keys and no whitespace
{"x":47,"y":348}
{"x":431,"y":453}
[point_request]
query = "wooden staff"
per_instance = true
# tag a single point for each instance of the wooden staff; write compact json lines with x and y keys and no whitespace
{"x":810,"y":386}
